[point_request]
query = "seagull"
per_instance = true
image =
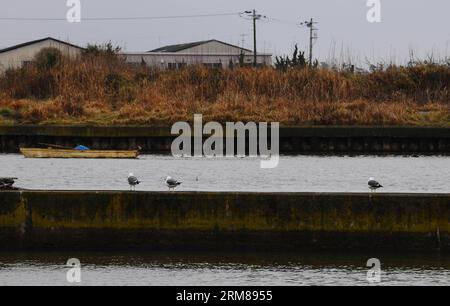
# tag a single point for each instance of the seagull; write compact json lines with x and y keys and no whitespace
{"x":373,"y":184}
{"x":172,"y":183}
{"x":7,"y":182}
{"x":133,"y":181}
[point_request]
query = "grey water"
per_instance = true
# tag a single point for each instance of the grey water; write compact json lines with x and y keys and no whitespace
{"x":294,"y":174}
{"x":222,"y":269}
{"x":426,"y":174}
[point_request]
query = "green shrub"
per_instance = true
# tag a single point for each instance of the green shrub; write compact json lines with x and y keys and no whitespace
{"x":48,"y":58}
{"x":6,"y":112}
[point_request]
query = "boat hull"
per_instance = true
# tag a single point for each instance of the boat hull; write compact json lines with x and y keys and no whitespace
{"x":63,"y":153}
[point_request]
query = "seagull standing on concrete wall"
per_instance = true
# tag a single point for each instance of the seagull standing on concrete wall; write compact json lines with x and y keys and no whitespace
{"x":133,"y":181}
{"x":374,"y":185}
{"x":172,"y":183}
{"x":7,"y":182}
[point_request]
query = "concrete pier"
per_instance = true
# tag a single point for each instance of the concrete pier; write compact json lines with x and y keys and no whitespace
{"x":293,"y":140}
{"x":223,"y":221}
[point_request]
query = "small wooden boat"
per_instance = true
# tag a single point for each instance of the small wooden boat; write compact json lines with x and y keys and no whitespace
{"x":71,"y":153}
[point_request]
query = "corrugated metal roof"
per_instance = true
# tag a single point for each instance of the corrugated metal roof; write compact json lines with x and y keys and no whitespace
{"x":38,"y":41}
{"x":181,"y":47}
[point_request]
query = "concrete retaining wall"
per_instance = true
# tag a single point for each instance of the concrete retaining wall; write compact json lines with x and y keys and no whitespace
{"x":223,"y":221}
{"x":321,"y":140}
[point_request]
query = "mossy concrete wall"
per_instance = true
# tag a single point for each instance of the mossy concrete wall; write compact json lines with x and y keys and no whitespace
{"x":223,"y":221}
{"x":317,"y":139}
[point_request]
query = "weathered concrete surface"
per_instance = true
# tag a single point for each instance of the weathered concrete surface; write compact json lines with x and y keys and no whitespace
{"x":317,"y":139}
{"x":223,"y":221}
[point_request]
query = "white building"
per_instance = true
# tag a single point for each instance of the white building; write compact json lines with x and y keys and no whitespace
{"x":17,"y":56}
{"x":211,"y":53}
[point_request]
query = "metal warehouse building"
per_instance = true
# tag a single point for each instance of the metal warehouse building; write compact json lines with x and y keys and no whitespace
{"x":17,"y":56}
{"x":212,"y":53}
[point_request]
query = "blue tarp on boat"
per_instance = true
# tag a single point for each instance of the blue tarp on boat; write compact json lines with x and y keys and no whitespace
{"x":81,"y":148}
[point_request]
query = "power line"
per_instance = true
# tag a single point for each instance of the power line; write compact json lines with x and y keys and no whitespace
{"x":288,"y":22}
{"x":120,"y":18}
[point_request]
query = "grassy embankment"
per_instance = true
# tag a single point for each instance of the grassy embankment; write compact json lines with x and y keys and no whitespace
{"x":103,"y":90}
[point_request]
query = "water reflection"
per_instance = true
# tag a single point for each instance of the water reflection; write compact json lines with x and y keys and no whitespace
{"x":222,"y":269}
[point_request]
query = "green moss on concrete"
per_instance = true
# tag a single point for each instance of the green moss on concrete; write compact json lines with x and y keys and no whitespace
{"x":315,"y":218}
{"x":13,"y":210}
{"x":231,"y":211}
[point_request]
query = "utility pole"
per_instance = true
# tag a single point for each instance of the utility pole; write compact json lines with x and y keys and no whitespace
{"x":242,"y":52}
{"x":254,"y":16}
{"x":255,"y":57}
{"x":243,"y":40}
{"x":311,"y":42}
{"x":312,"y":36}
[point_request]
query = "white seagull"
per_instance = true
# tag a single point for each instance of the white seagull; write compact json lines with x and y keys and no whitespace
{"x":373,"y":184}
{"x":133,"y":181}
{"x":172,"y":183}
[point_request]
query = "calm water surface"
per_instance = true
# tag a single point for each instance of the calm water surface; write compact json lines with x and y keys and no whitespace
{"x":294,"y":173}
{"x":220,"y":269}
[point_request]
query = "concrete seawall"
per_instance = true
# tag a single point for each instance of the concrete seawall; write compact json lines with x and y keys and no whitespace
{"x":307,"y":140}
{"x":87,"y":220}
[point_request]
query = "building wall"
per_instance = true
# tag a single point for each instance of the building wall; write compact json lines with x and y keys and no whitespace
{"x":17,"y":57}
{"x":166,"y":60}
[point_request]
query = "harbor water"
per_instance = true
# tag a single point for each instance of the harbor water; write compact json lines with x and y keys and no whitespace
{"x":427,"y":174}
{"x":294,"y":174}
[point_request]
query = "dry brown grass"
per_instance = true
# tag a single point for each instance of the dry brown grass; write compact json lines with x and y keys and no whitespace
{"x":104,"y":91}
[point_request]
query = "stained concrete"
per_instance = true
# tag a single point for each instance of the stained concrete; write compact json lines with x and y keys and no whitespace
{"x":79,"y":220}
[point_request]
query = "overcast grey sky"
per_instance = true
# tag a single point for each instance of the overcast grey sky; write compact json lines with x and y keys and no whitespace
{"x":420,"y":25}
